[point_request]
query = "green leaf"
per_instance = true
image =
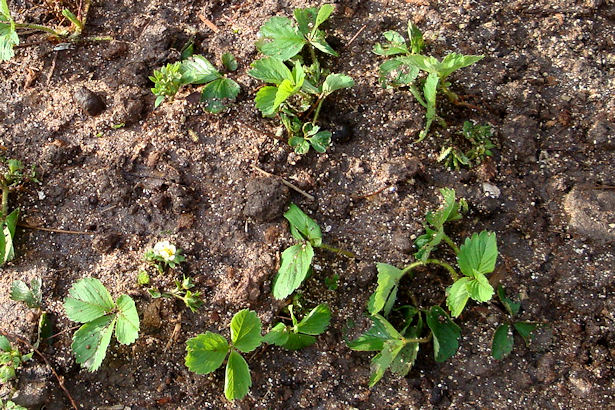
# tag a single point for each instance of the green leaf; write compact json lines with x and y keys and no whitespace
{"x":73,"y":19}
{"x":457,"y":296}
{"x":455,"y":61}
{"x":429,"y":91}
{"x":229,"y":61}
{"x":416,"y":38}
{"x":88,"y":300}
{"x":5,"y":344}
{"x":265,"y":98}
{"x":404,"y":361}
{"x":376,"y":336}
{"x":478,"y":254}
{"x":206,"y":352}
{"x":318,"y":41}
{"x":323,"y":14}
{"x":10,"y":224}
{"x":427,"y":242}
{"x":298,"y":341}
{"x":502,"y":343}
{"x":286,"y":40}
{"x":335,"y":82}
{"x":285,"y":90}
{"x":511,"y":306}
{"x":270,"y":70}
{"x":305,"y":225}
{"x":8,"y":40}
{"x":386,"y":293}
{"x":91,"y":340}
{"x":480,"y":289}
{"x":216,"y":93}
{"x":45,"y":329}
{"x":22,"y":293}
{"x":445,"y":333}
{"x":246,"y":330}
{"x":127,"y":324}
{"x":383,"y":360}
{"x":301,"y":146}
{"x":321,"y":141}
{"x":449,"y":211}
{"x":5,"y":13}
{"x":237,"y":381}
{"x":396,"y":45}
{"x":296,"y":262}
{"x":6,"y":373}
{"x":198,"y":70}
{"x":305,"y":19}
{"x":316,"y":322}
{"x":425,"y":63}
{"x":525,"y":329}
{"x":278,"y":335}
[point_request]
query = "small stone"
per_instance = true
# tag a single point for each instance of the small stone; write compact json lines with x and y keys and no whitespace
{"x":590,"y":213}
{"x":105,"y":243}
{"x":491,"y":190}
{"x":89,"y":101}
{"x":266,"y":199}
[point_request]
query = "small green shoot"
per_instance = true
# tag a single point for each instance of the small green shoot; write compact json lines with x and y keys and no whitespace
{"x":398,"y":348}
{"x":480,"y":147}
{"x":297,"y":260}
{"x":182,"y":291}
{"x":300,"y":334}
{"x":197,"y":69}
{"x":164,"y":255}
{"x":90,"y":303}
{"x":407,"y":62}
{"x":503,"y":340}
{"x":10,"y":405}
{"x":207,"y":351}
{"x":143,"y":278}
{"x":30,"y":295}
{"x":332,"y":282}
{"x":10,"y":359}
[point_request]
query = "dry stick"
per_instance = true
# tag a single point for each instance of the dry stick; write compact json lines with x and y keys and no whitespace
{"x":208,"y":23}
{"x":356,"y":35}
{"x":42,"y":356}
{"x":285,"y":182}
{"x":40,"y":228}
{"x":53,"y":67}
{"x":372,"y":193}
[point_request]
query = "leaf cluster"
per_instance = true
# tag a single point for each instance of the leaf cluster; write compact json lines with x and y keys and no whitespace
{"x":503,"y":339}
{"x":164,"y":255}
{"x":90,"y":303}
{"x":407,"y":62}
{"x":196,"y":69}
{"x":182,"y":291}
{"x":301,"y":333}
{"x":10,"y":359}
{"x":480,"y":147}
{"x":207,"y":351}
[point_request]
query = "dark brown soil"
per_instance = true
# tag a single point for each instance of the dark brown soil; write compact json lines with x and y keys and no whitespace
{"x":546,"y":85}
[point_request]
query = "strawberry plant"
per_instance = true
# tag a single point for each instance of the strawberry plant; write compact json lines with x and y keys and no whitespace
{"x":480,"y":147}
{"x":295,"y":89}
{"x":503,"y":340}
{"x":397,"y":347}
{"x":197,"y":69}
{"x":301,"y":333}
{"x":406,"y":64}
{"x":182,"y":291}
{"x":164,"y":255}
{"x":10,"y":359}
{"x":207,"y":351}
{"x":297,"y":259}
{"x":90,"y":303}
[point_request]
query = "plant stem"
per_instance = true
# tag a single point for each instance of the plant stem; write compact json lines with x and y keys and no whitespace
{"x":5,"y":199}
{"x":419,"y":340}
{"x":451,"y":243}
{"x":318,"y":107}
{"x":445,"y":265}
{"x":337,"y":250}
{"x":39,"y":28}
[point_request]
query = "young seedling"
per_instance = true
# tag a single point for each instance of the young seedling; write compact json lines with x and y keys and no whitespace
{"x":297,"y":90}
{"x":297,"y":260}
{"x":182,"y":292}
{"x":32,"y":297}
{"x":398,"y":348}
{"x":8,"y":30}
{"x":503,"y":339}
{"x":197,"y":69}
{"x":10,"y":359}
{"x":10,"y":405}
{"x":90,"y":303}
{"x":405,"y":67}
{"x":300,"y":334}
{"x":480,"y":147}
{"x":207,"y":351}
{"x":164,"y":255}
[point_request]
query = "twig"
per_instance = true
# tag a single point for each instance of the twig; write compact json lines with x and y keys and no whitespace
{"x":42,"y":356}
{"x":176,"y":329}
{"x":607,"y":187}
{"x":208,"y":23}
{"x":52,"y":69}
{"x":285,"y":182}
{"x":63,"y":331}
{"x":40,"y":228}
{"x":372,"y":193}
{"x":356,"y":35}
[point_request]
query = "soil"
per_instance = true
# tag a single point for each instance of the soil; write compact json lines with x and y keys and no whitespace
{"x":177,"y":173}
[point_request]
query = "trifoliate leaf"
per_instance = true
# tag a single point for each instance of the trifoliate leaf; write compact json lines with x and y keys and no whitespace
{"x":455,"y":61}
{"x":229,"y":61}
{"x":296,"y":262}
{"x":286,"y":40}
{"x":478,"y":254}
{"x":91,"y":340}
{"x":127,"y":324}
{"x":265,"y":98}
{"x":306,"y":226}
{"x":457,"y":296}
{"x":503,"y":342}
{"x":376,"y":336}
{"x":511,"y":306}
{"x":217,"y":93}
{"x":88,"y":300}
{"x":246,"y":330}
{"x":445,"y":333}
{"x":335,"y":82}
{"x":301,"y":146}
{"x":198,"y":70}
{"x":32,"y":297}
{"x":270,"y":70}
{"x":321,"y":141}
{"x":396,"y":45}
{"x":397,"y":73}
{"x":237,"y":382}
{"x":525,"y":329}
{"x":316,"y":322}
{"x":206,"y":352}
{"x":386,"y":293}
{"x":480,"y":289}
{"x":382,"y":361}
